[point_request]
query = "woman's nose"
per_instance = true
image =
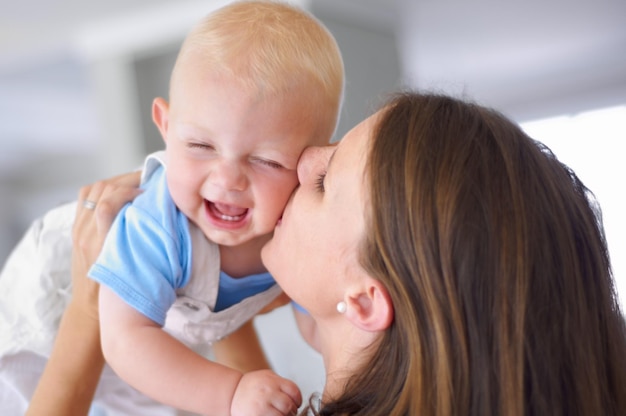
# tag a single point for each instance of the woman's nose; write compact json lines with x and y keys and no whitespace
{"x":229,"y":175}
{"x":313,"y":161}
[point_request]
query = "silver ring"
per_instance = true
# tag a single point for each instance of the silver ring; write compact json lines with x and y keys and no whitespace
{"x":89,"y":204}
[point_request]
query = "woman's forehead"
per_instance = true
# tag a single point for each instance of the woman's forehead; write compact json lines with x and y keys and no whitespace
{"x":356,"y":141}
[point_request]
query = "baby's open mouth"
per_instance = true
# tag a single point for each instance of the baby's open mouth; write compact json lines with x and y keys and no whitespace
{"x":227,"y":212}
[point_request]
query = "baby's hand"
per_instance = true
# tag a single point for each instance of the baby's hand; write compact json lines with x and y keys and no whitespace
{"x":265,"y":393}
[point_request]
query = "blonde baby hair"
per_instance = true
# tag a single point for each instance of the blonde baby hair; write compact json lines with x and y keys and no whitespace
{"x":273,"y":48}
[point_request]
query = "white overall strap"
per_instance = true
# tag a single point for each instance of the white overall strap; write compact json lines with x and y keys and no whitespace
{"x":200,"y":292}
{"x":191,"y":318}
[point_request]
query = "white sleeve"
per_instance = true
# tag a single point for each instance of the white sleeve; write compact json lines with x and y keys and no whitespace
{"x":35,"y":284}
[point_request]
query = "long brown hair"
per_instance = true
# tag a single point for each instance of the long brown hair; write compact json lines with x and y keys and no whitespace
{"x":494,"y":255}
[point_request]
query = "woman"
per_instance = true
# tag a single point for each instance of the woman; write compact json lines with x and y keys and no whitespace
{"x":452,"y":266}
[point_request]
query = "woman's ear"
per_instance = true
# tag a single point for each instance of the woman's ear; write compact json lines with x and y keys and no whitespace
{"x":370,"y":308}
{"x":160,"y":115}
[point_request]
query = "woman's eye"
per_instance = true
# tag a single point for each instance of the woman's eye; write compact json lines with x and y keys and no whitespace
{"x":319,"y":182}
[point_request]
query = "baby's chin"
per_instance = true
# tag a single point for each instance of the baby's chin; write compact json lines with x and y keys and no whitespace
{"x":255,"y":239}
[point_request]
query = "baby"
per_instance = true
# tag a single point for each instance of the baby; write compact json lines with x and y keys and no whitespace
{"x":254,"y":84}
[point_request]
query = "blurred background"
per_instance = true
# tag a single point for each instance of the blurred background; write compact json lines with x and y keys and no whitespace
{"x":77,"y":80}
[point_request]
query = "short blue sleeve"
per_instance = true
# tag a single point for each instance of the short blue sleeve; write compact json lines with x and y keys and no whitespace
{"x":147,"y":253}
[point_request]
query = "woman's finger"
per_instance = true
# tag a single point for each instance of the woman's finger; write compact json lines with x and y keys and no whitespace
{"x":104,"y":199}
{"x":97,"y":207}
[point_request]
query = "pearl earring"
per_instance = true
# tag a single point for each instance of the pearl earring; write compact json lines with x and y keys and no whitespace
{"x":341,"y":307}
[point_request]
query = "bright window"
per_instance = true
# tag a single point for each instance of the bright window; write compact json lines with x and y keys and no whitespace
{"x":592,"y":144}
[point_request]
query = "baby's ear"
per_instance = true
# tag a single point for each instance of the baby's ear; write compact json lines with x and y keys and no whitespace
{"x":370,"y":307}
{"x":160,"y":115}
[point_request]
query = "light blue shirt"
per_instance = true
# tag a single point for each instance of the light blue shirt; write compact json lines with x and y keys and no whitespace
{"x":147,"y":253}
{"x":233,"y":290}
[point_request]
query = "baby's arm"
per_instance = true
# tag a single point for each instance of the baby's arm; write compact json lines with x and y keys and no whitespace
{"x":160,"y":366}
{"x":242,"y":349}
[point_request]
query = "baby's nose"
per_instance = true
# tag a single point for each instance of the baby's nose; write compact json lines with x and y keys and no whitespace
{"x":229,"y":175}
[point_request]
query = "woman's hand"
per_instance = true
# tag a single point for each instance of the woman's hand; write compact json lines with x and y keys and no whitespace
{"x":98,"y":204}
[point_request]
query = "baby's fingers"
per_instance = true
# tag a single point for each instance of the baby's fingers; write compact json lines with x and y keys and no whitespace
{"x":265,"y":393}
{"x":286,"y":404}
{"x":292,"y":391}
